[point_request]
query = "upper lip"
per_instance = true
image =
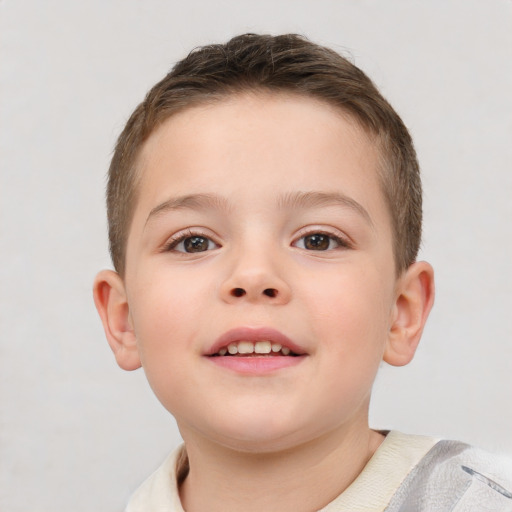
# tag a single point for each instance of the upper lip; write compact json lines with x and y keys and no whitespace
{"x":254,"y":334}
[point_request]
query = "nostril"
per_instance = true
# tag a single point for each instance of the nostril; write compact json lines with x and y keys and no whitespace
{"x":238,"y":292}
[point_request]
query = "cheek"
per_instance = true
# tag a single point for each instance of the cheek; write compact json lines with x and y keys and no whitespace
{"x":350,"y":296}
{"x":164,"y":293}
{"x":164,"y":315}
{"x":161,"y":312}
{"x":352,"y":321}
{"x":350,"y":313}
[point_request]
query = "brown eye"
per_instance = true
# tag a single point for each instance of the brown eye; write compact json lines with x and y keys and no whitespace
{"x":196,"y":244}
{"x":317,"y":242}
{"x":320,"y":242}
{"x":192,"y":244}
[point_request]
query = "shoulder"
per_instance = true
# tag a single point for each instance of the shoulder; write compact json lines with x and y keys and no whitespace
{"x":492,"y":470}
{"x":457,"y":477}
{"x":495,"y":466}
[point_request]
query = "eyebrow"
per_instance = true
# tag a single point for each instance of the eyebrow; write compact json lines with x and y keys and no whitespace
{"x":321,"y":199}
{"x":294,"y":200}
{"x":190,"y":201}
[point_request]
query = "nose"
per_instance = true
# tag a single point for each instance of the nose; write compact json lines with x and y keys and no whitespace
{"x":256,"y":279}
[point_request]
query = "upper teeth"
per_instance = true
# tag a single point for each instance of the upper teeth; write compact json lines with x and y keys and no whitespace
{"x":248,"y":347}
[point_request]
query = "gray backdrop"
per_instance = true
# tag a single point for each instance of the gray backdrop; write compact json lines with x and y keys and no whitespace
{"x":77,"y":433}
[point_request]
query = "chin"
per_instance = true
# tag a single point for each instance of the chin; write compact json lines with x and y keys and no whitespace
{"x":260,"y":434}
{"x":259,"y":444}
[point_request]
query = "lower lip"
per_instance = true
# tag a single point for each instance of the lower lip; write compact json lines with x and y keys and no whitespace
{"x":256,"y":365}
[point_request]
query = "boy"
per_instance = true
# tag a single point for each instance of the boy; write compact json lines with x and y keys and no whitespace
{"x":264,"y":207}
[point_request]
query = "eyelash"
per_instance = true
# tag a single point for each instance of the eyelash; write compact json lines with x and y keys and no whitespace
{"x":342,"y":242}
{"x":174,"y":242}
{"x":182,"y":236}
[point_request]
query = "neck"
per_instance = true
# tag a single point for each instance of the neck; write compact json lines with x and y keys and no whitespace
{"x":227,"y":480}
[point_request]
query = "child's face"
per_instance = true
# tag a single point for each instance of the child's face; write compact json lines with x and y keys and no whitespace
{"x":261,"y":218}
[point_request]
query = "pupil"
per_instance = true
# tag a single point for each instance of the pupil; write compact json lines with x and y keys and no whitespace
{"x":196,"y":244}
{"x":317,"y":242}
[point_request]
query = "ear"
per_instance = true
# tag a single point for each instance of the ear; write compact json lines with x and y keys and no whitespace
{"x":414,"y":300}
{"x":112,"y":305}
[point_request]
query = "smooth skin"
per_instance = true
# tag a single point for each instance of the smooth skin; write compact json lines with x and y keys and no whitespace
{"x":264,"y":192}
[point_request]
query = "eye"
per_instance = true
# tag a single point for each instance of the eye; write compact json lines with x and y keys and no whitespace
{"x":190,"y":243}
{"x":320,"y":242}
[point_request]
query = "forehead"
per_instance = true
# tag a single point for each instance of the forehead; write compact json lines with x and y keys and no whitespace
{"x":302,"y":126}
{"x":253,"y":144}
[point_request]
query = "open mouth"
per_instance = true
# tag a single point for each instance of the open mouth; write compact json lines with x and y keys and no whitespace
{"x":255,"y":351}
{"x":259,"y":348}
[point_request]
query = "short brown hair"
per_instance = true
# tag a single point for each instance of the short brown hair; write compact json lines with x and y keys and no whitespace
{"x":285,"y":63}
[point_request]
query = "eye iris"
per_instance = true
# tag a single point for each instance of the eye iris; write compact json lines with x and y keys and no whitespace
{"x":316,"y":242}
{"x":196,"y":244}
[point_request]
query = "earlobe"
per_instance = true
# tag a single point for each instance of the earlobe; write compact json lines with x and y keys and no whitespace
{"x":112,"y":305}
{"x":414,"y":300}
